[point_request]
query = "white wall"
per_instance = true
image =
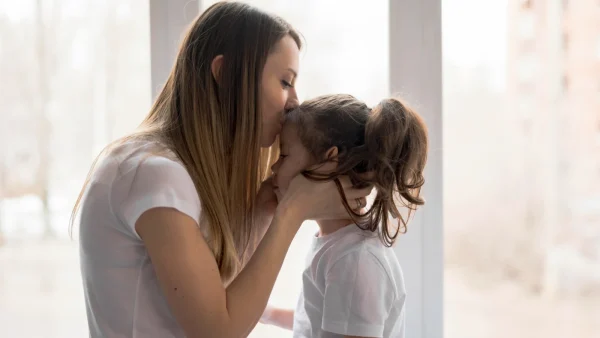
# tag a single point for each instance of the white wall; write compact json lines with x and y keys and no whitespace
{"x":168,"y":21}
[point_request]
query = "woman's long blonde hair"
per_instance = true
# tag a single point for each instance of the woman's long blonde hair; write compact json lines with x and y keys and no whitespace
{"x":214,"y":128}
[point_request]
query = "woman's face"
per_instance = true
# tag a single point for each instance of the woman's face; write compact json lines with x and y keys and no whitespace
{"x":277,"y":93}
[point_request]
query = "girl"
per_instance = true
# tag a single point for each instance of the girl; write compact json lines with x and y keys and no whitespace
{"x":353,"y":284}
{"x":170,"y":214}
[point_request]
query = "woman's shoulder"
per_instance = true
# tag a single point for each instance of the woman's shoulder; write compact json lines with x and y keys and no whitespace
{"x":126,"y":157}
{"x":148,"y":175}
{"x":130,"y":154}
{"x":149,"y":162}
{"x":141,"y":163}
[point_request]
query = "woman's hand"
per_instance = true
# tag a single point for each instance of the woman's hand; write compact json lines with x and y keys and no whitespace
{"x":266,"y":201}
{"x":311,"y":200}
{"x":265,"y":206}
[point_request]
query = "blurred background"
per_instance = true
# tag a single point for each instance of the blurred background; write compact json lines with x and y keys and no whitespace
{"x":521,"y":149}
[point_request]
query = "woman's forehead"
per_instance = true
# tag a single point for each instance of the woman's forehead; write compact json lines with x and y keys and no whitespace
{"x":285,"y":56}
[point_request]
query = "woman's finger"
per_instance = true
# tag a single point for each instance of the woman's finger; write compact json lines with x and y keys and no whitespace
{"x":358,"y":193}
{"x":357,"y":205}
{"x":360,"y":203}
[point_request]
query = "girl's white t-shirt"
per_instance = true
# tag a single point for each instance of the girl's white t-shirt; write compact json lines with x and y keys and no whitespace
{"x":352,"y":286}
{"x":122,"y":294}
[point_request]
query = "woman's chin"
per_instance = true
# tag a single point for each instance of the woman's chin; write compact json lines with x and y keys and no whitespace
{"x":266,"y":142}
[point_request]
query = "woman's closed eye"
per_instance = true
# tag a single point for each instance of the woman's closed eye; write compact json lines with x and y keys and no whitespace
{"x":286,"y":84}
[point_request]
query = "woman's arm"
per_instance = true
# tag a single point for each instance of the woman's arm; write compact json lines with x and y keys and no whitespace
{"x":266,"y":204}
{"x":283,"y":318}
{"x":189,"y":275}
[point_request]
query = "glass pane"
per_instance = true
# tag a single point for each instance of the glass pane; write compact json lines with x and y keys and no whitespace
{"x":75,"y":74}
{"x":521,"y":168}
{"x":345,"y":55}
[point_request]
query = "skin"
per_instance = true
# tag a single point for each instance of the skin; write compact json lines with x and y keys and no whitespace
{"x":278,"y":92}
{"x":295,"y":158}
{"x":277,"y":88}
{"x":182,"y":259}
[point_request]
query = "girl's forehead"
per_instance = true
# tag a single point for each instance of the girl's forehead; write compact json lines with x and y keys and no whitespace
{"x":289,"y":137}
{"x":288,"y":133}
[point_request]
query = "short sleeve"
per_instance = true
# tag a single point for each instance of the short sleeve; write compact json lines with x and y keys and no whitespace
{"x":158,"y":182}
{"x":358,"y":296}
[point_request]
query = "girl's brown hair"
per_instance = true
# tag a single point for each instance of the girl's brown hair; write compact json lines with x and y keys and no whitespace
{"x":214,"y":128}
{"x":385,"y":146}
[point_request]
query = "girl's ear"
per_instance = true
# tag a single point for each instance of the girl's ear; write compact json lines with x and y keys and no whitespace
{"x":328,"y":163}
{"x":331,"y":154}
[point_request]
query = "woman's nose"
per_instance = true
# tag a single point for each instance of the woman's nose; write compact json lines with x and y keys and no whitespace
{"x":292,"y":103}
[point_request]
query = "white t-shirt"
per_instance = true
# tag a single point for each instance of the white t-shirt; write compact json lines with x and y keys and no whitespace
{"x":122,"y":294}
{"x":353,"y":286}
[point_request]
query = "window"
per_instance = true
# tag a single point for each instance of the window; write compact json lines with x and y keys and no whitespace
{"x":525,"y":107}
{"x":527,"y":4}
{"x":527,"y":69}
{"x":565,"y":83}
{"x":565,"y":41}
{"x":598,"y":133}
{"x":511,"y":146}
{"x":490,"y":254}
{"x":527,"y":25}
{"x":75,"y":75}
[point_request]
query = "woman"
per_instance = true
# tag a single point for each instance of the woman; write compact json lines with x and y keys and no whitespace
{"x":171,"y":214}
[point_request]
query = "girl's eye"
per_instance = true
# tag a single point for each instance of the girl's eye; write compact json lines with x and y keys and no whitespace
{"x":281,"y":156}
{"x":286,"y":84}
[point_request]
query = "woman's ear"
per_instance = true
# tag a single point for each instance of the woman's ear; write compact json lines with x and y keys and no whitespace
{"x":215,"y":67}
